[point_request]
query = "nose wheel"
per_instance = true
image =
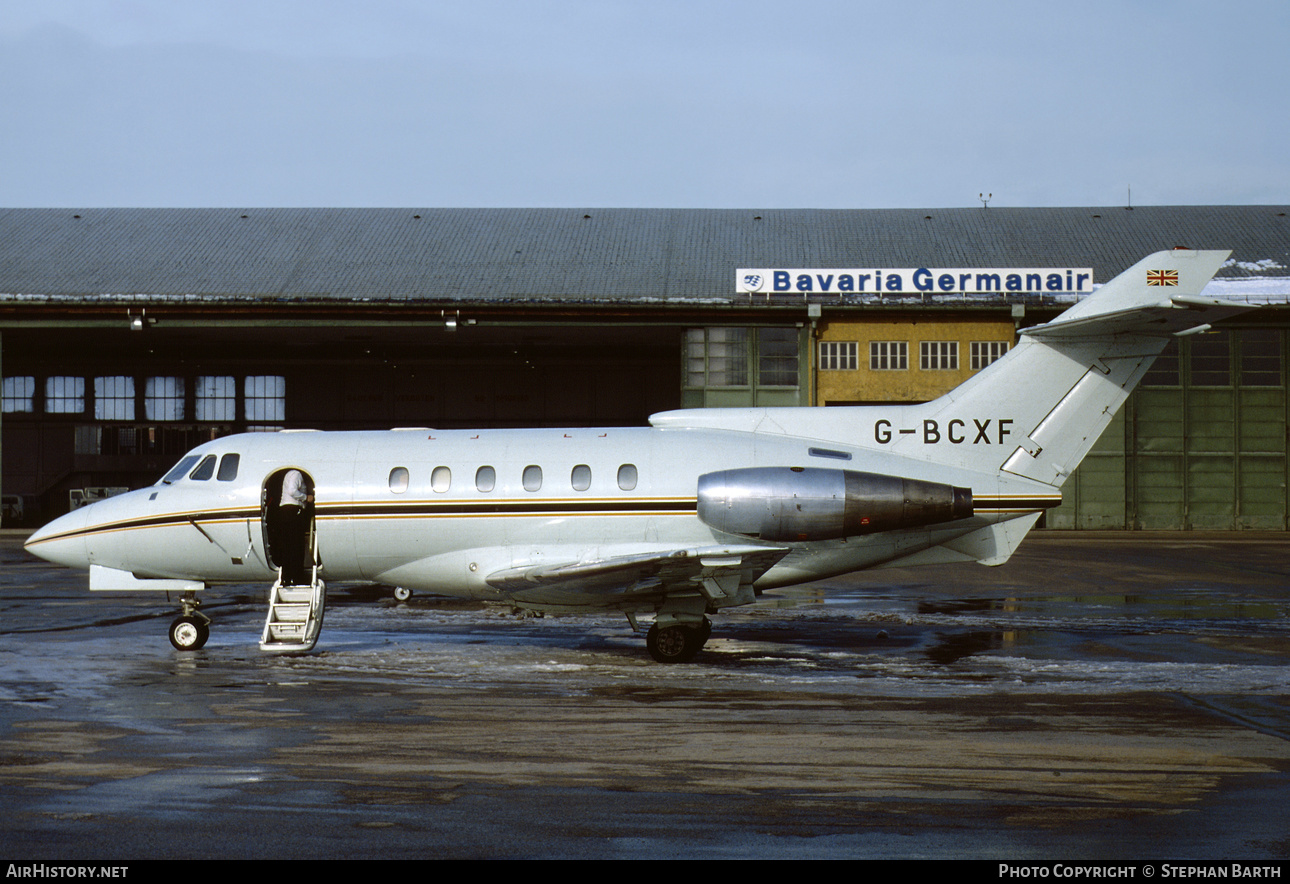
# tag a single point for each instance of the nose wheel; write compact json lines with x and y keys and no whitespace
{"x":189,"y":633}
{"x":190,"y":630}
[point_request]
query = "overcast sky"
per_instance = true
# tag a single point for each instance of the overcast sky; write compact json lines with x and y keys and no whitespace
{"x":665,"y":103}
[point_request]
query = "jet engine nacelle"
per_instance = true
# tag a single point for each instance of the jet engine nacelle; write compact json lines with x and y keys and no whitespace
{"x":806,"y":503}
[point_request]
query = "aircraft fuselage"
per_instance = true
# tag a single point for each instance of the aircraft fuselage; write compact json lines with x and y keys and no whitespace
{"x":442,"y":511}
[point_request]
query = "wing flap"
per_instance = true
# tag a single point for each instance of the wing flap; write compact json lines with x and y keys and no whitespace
{"x":718,"y":572}
{"x":991,"y":545}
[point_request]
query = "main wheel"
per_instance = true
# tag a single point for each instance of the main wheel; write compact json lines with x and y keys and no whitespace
{"x":674,"y":644}
{"x":189,"y":633}
{"x":402,"y":593}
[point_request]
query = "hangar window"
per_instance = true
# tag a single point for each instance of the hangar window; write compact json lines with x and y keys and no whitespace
{"x":1166,"y":371}
{"x":228,"y":467}
{"x":986,"y":352}
{"x":164,"y":399}
{"x":938,"y":355}
{"x":1261,"y":357}
{"x":205,"y":469}
{"x":399,"y":480}
{"x":777,"y":357}
{"x":1211,"y":359}
{"x":532,"y":478}
{"x":216,"y":398}
{"x":265,"y":398}
{"x":725,"y":357}
{"x":580,"y":478}
{"x":18,"y":395}
{"x":839,"y":355}
{"x":114,"y":399}
{"x":485,"y":479}
{"x":888,"y":355}
{"x":716,"y":357}
{"x":64,"y":395}
{"x":441,"y":479}
{"x":627,"y":477}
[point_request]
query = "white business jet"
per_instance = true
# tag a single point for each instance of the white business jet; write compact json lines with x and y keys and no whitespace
{"x":696,"y":513}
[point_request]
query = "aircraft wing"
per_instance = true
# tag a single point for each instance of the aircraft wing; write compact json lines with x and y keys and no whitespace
{"x":721,"y":573}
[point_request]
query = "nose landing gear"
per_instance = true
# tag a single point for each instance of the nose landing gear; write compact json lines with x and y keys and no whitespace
{"x":190,"y":630}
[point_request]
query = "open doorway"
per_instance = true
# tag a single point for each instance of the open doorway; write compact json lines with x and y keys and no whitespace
{"x":287,"y":522}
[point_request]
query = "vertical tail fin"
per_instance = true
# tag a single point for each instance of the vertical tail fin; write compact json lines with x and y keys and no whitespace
{"x":1051,"y":397}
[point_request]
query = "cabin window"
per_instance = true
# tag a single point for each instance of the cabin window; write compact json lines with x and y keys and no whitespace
{"x":399,"y":480}
{"x":179,"y":470}
{"x":485,"y":479}
{"x":532,"y":478}
{"x":627,"y":477}
{"x":441,"y":479}
{"x":205,"y":469}
{"x":114,"y":399}
{"x":228,"y":467}
{"x":581,"y":477}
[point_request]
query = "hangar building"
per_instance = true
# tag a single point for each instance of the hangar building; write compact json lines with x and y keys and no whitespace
{"x":129,"y":335}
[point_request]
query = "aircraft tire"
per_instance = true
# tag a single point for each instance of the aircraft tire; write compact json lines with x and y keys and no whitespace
{"x":674,"y":644}
{"x":189,"y":633}
{"x":402,"y":593}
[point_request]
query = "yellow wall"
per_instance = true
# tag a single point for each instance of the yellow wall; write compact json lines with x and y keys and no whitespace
{"x":912,"y":384}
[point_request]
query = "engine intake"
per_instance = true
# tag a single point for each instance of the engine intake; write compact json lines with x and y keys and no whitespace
{"x":808,"y":503}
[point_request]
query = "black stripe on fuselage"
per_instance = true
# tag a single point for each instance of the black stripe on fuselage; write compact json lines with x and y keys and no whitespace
{"x":506,"y":508}
{"x":411,"y":508}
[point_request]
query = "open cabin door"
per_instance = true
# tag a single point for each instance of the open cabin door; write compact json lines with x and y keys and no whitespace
{"x":274,"y":527}
{"x":298,"y":597}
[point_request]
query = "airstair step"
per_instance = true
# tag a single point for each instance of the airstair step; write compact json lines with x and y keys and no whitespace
{"x":285,"y":632}
{"x":290,"y":613}
{"x":294,"y":618}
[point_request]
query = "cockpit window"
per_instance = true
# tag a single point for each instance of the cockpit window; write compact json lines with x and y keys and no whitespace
{"x":228,"y":467}
{"x":180,"y":469}
{"x":204,"y":470}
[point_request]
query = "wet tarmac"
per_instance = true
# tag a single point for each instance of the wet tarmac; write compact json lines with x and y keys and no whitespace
{"x":1098,"y":697}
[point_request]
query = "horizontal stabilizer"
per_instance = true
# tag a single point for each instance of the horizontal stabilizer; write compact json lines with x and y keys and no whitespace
{"x":1172,"y":317}
{"x":1160,"y":295}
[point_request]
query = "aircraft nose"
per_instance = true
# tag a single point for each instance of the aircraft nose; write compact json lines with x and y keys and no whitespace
{"x":62,"y":541}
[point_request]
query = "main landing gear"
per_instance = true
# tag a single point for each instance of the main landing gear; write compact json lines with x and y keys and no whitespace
{"x":191,"y":629}
{"x":677,"y":642}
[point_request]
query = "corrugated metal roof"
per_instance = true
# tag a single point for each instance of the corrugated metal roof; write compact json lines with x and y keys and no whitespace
{"x":472,"y":255}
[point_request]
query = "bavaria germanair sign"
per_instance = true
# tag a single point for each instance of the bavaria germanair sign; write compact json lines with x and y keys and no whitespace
{"x":926,"y":280}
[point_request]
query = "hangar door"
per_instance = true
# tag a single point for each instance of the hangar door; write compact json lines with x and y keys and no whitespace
{"x":1201,"y":444}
